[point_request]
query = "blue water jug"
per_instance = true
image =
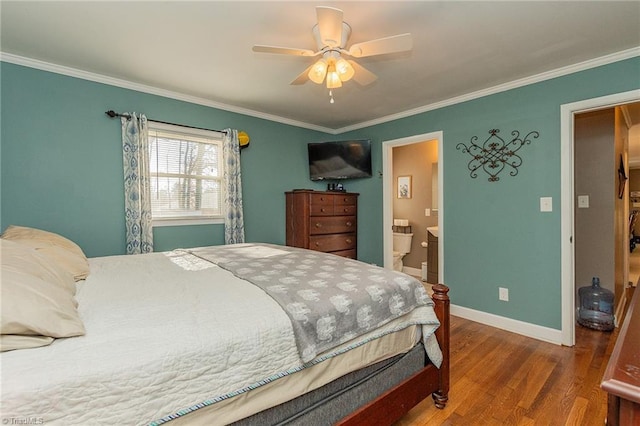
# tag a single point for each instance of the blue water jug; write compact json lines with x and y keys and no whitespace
{"x":596,"y":307}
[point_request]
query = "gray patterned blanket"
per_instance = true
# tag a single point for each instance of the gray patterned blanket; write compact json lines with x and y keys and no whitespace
{"x":329,"y":299}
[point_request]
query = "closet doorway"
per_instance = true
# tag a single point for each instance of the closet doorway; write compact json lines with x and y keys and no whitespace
{"x":614,"y":233}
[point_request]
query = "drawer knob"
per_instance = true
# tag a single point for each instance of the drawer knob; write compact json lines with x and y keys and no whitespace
{"x":318,"y":225}
{"x":345,"y":209}
{"x":349,"y":223}
{"x":317,"y":244}
{"x":349,"y":240}
{"x":322,"y":210}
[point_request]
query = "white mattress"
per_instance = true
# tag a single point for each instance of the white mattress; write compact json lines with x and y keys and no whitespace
{"x":165,"y":332}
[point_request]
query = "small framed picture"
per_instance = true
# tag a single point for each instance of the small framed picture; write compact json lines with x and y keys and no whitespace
{"x":404,"y":186}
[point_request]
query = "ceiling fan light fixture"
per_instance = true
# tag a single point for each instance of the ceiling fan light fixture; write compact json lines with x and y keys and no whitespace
{"x":318,"y":71}
{"x":344,"y":69}
{"x":333,"y":79}
{"x":331,"y":34}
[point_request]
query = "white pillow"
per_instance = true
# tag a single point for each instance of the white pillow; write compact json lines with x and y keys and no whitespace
{"x":60,"y":249}
{"x":10,"y":342}
{"x":37,"y":299}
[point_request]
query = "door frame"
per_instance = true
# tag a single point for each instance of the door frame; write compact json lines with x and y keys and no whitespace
{"x":388,"y":194}
{"x":567,"y":197}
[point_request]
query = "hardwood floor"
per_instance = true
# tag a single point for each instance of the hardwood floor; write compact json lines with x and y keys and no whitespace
{"x":502,"y":378}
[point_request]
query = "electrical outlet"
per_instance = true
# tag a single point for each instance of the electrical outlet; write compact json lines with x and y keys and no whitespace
{"x":503,"y":294}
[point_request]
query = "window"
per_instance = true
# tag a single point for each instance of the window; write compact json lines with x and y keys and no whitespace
{"x":186,"y":175}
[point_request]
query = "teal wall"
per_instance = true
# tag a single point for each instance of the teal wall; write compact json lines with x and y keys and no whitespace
{"x":495,"y":235}
{"x":62,"y":171}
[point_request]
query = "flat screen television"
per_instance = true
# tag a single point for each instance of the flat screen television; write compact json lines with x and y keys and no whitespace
{"x":350,"y":159}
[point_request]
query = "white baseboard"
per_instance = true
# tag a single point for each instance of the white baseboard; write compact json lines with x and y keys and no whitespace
{"x":538,"y":332}
{"x":412,"y":271}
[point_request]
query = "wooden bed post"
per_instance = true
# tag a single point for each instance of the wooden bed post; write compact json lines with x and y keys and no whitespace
{"x":441,"y":301}
{"x":397,"y":401}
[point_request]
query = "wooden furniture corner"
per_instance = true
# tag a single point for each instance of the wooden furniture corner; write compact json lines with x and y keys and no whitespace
{"x":621,"y":379}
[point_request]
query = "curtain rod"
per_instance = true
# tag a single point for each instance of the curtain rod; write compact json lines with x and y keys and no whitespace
{"x":111,"y":113}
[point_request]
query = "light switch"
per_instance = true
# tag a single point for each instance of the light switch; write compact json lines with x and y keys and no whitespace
{"x":583,"y":201}
{"x":427,"y":212}
{"x":546,"y":204}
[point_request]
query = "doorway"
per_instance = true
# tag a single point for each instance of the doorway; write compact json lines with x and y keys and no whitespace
{"x":389,"y":192}
{"x":567,"y":123}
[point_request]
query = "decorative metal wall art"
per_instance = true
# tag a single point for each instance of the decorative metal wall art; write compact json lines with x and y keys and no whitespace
{"x":494,"y":155}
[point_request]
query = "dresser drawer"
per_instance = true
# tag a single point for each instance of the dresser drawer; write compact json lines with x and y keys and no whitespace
{"x":331,"y":210}
{"x":321,"y":205}
{"x":321,"y":199}
{"x":332,"y":225}
{"x":344,"y":210}
{"x":321,"y":209}
{"x":345,"y":200}
{"x":351,"y":254}
{"x":333,"y":242}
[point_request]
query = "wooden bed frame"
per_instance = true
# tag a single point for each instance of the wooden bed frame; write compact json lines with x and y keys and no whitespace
{"x":397,"y":401}
{"x":394,"y":402}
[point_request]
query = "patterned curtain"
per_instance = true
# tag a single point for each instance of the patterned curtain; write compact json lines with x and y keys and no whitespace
{"x":137,"y":193}
{"x":233,"y":222}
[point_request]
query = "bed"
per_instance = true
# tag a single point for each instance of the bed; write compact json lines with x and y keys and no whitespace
{"x":215,"y":335}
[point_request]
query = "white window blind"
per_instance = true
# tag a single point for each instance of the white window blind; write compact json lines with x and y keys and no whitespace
{"x":186,"y":175}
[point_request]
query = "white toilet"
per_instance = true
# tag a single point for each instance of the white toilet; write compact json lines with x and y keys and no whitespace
{"x":401,"y":246}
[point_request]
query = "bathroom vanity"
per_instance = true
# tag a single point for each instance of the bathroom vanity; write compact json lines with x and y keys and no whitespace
{"x":432,"y":255}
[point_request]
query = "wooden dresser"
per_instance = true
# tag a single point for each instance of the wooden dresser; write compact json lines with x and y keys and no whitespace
{"x":323,"y":221}
{"x":622,"y":377}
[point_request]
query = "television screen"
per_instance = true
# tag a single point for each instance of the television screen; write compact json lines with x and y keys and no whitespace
{"x":340,"y":160}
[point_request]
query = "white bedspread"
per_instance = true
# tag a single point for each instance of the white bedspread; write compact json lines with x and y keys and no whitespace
{"x":206,"y":334}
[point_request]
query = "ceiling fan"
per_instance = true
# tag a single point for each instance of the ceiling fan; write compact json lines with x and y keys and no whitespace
{"x":331,"y":34}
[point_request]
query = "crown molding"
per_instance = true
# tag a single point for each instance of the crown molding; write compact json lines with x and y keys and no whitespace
{"x":98,"y":78}
{"x":559,"y":72}
{"x":626,"y":115}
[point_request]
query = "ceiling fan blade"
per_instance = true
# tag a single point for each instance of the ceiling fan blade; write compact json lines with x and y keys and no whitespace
{"x":329,"y":25}
{"x":397,"y":43}
{"x":283,"y":50}
{"x":362,"y":75}
{"x":303,"y":77}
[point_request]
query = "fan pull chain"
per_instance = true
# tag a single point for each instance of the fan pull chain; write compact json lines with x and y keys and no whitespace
{"x":331,"y":97}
